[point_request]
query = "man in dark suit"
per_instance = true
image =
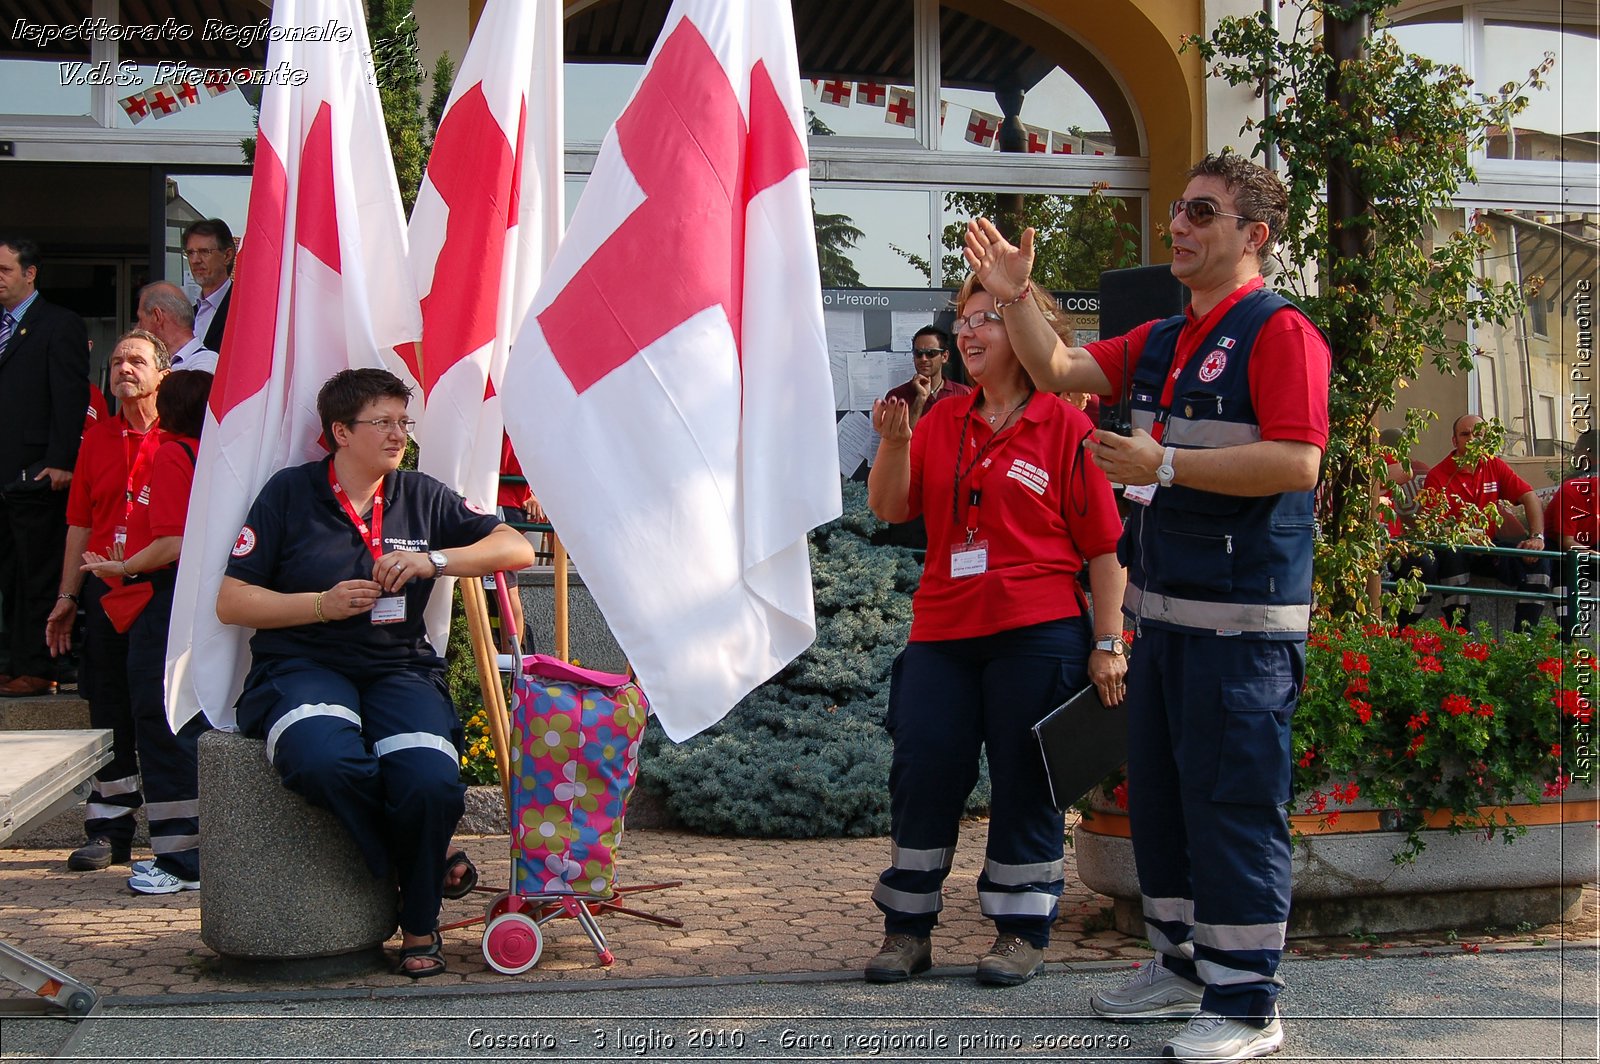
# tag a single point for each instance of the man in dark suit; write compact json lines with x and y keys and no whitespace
{"x":44,"y":389}
{"x":208,"y":246}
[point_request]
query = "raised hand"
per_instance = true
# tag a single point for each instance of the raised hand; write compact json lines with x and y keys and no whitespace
{"x":1002,"y":267}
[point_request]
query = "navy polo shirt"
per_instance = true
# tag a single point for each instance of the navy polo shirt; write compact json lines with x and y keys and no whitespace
{"x":297,"y":538}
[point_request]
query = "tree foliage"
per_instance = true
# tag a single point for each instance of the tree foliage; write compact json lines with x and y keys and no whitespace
{"x":1402,"y":130}
{"x":392,"y":28}
{"x":1077,"y":236}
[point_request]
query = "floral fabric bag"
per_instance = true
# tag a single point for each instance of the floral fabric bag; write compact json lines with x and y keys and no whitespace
{"x":574,"y":760}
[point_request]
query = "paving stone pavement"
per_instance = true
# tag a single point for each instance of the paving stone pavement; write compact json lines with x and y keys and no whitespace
{"x":750,"y":908}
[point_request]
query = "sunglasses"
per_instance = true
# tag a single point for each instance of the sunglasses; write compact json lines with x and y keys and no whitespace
{"x":927,"y":352}
{"x":1201,"y":212}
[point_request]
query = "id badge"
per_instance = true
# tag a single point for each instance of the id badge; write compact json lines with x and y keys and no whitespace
{"x":1143,"y":494}
{"x":489,"y":582}
{"x":969,"y":559}
{"x":119,"y":535}
{"x":389,"y":609}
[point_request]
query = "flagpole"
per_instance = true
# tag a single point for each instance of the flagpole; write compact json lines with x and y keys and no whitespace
{"x":560,"y":563}
{"x":476,"y":608}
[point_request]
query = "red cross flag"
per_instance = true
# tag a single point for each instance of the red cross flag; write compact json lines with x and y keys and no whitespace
{"x":163,"y":100}
{"x":870,"y":93}
{"x":669,"y":394}
{"x":1061,"y":144}
{"x":487,"y":221}
{"x":836,"y":92}
{"x":136,"y":106}
{"x":321,"y":285}
{"x":1038,"y":140}
{"x":187,"y":93}
{"x":902,"y":109}
{"x":982,"y":128}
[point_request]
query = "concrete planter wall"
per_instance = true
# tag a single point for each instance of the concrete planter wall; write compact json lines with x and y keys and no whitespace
{"x":1345,"y":881}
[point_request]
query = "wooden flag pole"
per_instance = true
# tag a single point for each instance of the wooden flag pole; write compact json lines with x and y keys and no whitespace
{"x":560,"y":564}
{"x":494,"y":694}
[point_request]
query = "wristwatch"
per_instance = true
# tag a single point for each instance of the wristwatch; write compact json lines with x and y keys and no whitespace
{"x":1112,"y":643}
{"x":439,"y":562}
{"x":1164,"y":471}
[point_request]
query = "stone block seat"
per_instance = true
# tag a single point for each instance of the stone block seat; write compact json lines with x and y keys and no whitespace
{"x":282,"y":879}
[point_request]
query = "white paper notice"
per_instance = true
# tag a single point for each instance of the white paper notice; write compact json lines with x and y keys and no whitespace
{"x":847,"y":337}
{"x":857,"y":442}
{"x":870,"y":378}
{"x":903,"y":326}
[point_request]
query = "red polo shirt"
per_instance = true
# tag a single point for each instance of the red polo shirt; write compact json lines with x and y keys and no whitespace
{"x":1486,"y":485}
{"x":161,"y":505}
{"x":1044,"y":508}
{"x":98,"y":497}
{"x":1290,"y":366}
{"x":1572,"y":511}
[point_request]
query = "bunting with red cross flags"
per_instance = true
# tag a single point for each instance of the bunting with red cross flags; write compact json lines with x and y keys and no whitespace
{"x":487,"y":221}
{"x":669,"y":393}
{"x":321,"y":285}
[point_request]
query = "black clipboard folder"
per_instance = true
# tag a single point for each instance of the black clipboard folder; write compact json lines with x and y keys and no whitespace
{"x":1082,"y":741}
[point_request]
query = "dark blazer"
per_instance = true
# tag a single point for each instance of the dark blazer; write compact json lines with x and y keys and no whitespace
{"x":44,"y":390}
{"x":213,"y":337}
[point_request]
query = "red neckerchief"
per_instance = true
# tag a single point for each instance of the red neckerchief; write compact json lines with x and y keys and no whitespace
{"x":373,"y":537}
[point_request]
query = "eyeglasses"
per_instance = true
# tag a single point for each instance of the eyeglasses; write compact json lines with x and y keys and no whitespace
{"x":1201,"y":212}
{"x":205,"y":253}
{"x":386,"y":425}
{"x":975,"y":320}
{"x":927,"y":352}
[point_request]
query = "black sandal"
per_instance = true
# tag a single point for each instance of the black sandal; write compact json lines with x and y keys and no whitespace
{"x":468,"y":880}
{"x":430,"y":952}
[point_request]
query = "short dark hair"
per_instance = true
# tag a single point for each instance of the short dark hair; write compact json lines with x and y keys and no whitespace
{"x":345,"y":394}
{"x":181,"y":401}
{"x":27,"y":251}
{"x":1258,"y":192}
{"x":933,"y":331}
{"x":213,"y":227}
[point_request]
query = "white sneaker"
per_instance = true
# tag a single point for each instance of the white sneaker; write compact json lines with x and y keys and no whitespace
{"x":1156,"y":993}
{"x":143,"y":867}
{"x":1211,"y":1039}
{"x":155,"y":881}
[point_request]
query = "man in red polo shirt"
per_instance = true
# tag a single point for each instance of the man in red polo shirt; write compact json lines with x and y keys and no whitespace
{"x":113,"y":462}
{"x":1488,"y":482}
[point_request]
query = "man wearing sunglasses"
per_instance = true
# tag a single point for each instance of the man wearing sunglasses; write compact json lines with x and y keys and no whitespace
{"x":930,"y":348}
{"x":1229,"y":406}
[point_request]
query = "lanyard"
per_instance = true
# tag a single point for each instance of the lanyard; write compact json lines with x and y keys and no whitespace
{"x":372,"y":538}
{"x":142,"y":458}
{"x":996,"y":444}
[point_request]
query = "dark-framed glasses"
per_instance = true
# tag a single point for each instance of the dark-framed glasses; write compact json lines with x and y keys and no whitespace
{"x":386,"y":425}
{"x":1201,"y":212}
{"x":976,"y":319}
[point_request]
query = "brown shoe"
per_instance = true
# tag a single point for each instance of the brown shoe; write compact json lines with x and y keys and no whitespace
{"x":27,"y":687}
{"x":901,"y":957}
{"x":1011,"y":961}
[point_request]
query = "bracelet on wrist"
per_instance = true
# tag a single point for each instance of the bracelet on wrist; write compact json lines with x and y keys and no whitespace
{"x":318,"y":607}
{"x":1027,"y":290}
{"x":68,"y":595}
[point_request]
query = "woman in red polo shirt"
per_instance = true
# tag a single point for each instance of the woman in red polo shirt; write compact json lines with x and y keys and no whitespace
{"x":1000,"y":635}
{"x":167,"y":762}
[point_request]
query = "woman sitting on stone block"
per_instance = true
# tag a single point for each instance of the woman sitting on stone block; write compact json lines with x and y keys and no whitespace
{"x":333,"y":568}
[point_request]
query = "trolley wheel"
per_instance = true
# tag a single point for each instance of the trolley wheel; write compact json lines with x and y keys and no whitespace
{"x":498,"y":905}
{"x":512,"y":943}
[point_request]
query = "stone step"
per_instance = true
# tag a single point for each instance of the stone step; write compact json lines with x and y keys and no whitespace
{"x":44,"y":712}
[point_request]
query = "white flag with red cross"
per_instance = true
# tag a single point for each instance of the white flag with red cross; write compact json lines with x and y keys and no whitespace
{"x":136,"y":107}
{"x":870,"y":93}
{"x":163,"y":100}
{"x":836,"y":92}
{"x":670,"y":394}
{"x":982,"y":128}
{"x":487,"y":221}
{"x":902,"y":109}
{"x":321,"y":285}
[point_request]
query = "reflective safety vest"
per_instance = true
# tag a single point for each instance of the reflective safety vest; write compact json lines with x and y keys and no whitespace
{"x":1198,"y":561}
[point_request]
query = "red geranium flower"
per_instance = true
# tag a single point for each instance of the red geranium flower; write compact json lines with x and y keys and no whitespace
{"x":1429,"y":663}
{"x":1551,"y":667}
{"x":1358,"y":685}
{"x":1572,"y":704}
{"x":1119,"y":794}
{"x":1362,"y":709}
{"x":1417,"y":721}
{"x":1455,"y":705}
{"x":1354,"y":662}
{"x":1476,"y":651}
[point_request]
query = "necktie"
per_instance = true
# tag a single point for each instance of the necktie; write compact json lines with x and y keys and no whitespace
{"x":6,"y":324}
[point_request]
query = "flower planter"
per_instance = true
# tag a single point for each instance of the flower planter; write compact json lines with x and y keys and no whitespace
{"x":1345,"y":880}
